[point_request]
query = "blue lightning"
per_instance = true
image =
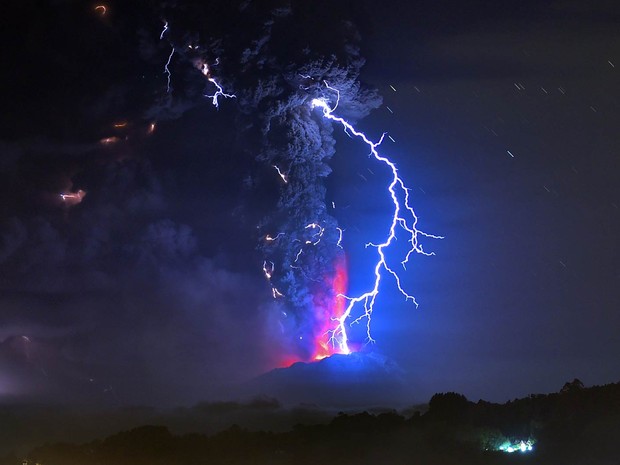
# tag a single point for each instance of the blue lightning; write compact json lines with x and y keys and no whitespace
{"x":340,"y":234}
{"x":220,"y":91}
{"x":403,"y":216}
{"x":164,"y":30}
{"x":167,"y":65}
{"x":282,"y":175}
{"x":167,"y":70}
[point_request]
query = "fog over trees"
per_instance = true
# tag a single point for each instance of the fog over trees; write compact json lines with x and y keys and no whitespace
{"x":577,"y":425}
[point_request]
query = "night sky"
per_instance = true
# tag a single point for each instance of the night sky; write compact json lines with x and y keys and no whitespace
{"x":504,"y":118}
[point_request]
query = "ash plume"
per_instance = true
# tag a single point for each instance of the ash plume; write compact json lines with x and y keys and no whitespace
{"x":276,"y":60}
{"x":109,"y":253}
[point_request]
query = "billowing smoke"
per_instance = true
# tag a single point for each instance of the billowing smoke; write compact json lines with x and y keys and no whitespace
{"x":276,"y":60}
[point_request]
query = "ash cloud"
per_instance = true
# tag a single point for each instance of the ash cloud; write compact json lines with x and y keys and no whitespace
{"x":121,"y":299}
{"x":277,"y":59}
{"x":133,"y":287}
{"x":126,"y":297}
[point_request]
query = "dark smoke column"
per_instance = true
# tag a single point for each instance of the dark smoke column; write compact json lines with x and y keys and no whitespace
{"x":300,"y":240}
{"x":305,"y":252}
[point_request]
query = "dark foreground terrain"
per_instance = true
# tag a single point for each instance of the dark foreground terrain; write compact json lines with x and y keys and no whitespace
{"x":574,"y":426}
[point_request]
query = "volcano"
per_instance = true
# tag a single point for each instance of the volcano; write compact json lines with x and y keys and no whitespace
{"x":357,"y":380}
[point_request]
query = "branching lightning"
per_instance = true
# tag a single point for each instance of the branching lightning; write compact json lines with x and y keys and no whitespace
{"x":403,"y":216}
{"x":219,"y":91}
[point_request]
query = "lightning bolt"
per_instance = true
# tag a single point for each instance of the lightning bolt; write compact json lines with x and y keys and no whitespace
{"x":318,"y":234}
{"x":164,"y":30}
{"x":268,"y":268}
{"x":270,"y":238}
{"x":167,"y":70}
{"x":219,"y":90}
{"x":72,"y":198}
{"x":167,"y":65}
{"x":340,"y":233}
{"x":403,"y":217}
{"x":281,"y":174}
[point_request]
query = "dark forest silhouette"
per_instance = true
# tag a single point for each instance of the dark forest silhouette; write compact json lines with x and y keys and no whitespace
{"x":577,"y":425}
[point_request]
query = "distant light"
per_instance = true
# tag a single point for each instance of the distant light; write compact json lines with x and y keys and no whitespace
{"x":521,"y":446}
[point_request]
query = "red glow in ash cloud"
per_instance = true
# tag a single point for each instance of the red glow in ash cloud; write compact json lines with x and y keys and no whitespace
{"x":328,"y":306}
{"x":328,"y":309}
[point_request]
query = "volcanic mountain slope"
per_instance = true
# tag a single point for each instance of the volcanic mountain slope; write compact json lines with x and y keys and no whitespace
{"x":360,"y":379}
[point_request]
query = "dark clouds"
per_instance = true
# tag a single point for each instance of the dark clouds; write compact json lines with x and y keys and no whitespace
{"x":142,"y":286}
{"x":133,"y":287}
